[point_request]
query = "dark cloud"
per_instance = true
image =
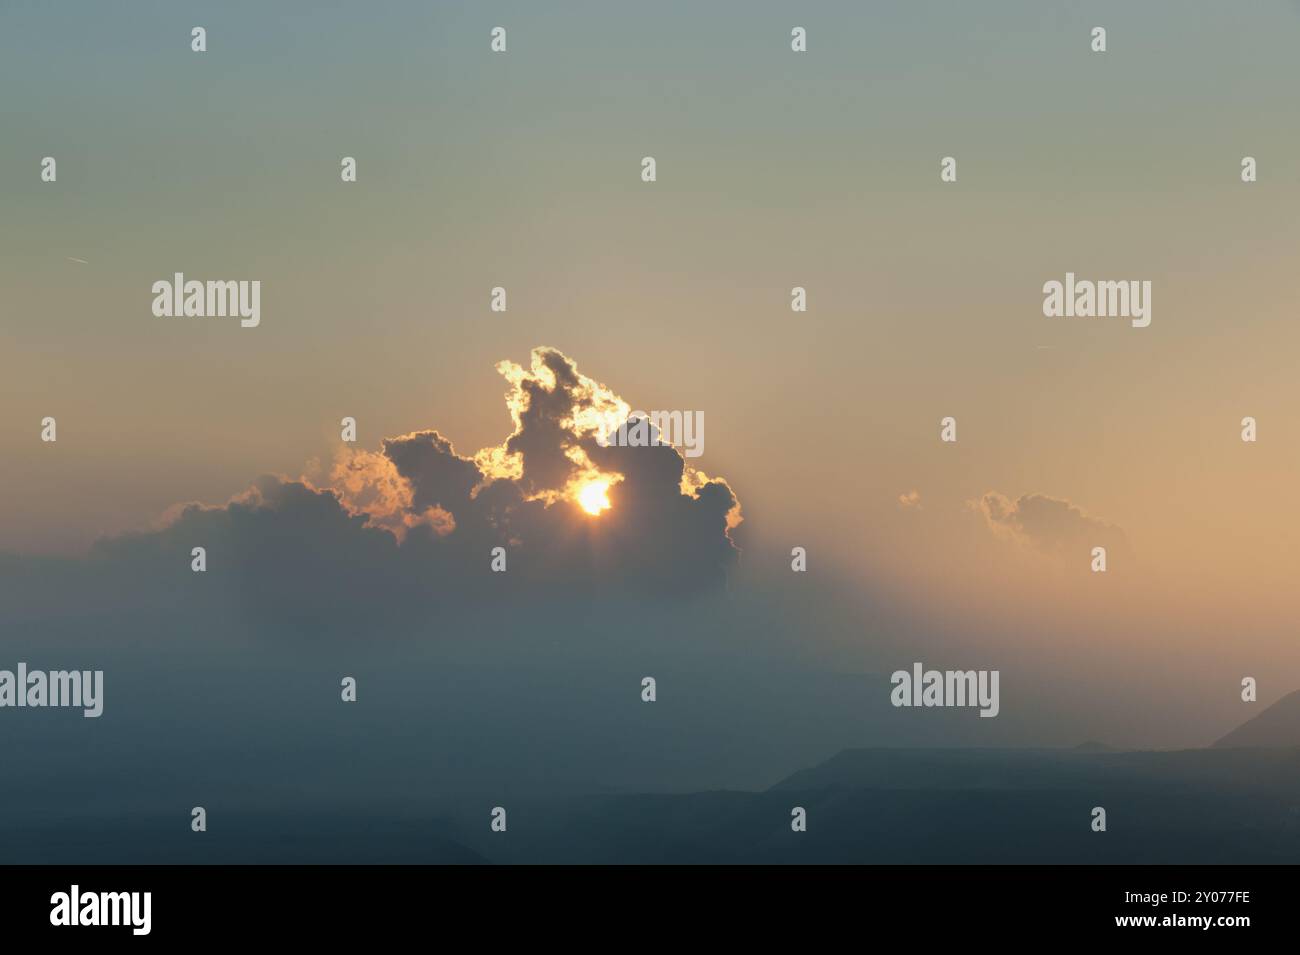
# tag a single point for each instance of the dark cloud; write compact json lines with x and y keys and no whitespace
{"x":413,"y":525}
{"x":544,"y":411}
{"x":438,"y":477}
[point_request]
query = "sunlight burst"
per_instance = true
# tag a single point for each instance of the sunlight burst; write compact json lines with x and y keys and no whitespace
{"x":592,"y":497}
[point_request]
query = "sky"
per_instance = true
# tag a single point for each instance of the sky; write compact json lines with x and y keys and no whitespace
{"x":774,"y":170}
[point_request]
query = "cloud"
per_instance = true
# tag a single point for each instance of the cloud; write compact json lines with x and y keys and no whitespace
{"x":415,"y":522}
{"x":910,"y":500}
{"x":1047,"y":523}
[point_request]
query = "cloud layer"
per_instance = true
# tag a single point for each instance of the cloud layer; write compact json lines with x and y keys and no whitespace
{"x":416,"y":520}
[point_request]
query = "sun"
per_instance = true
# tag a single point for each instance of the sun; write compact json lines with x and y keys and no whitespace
{"x":592,"y":497}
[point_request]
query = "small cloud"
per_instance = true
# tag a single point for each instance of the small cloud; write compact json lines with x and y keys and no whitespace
{"x":910,"y":501}
{"x":74,"y":259}
{"x":1047,"y":523}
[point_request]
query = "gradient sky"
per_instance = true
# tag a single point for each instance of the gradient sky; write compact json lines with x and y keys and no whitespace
{"x":774,"y":170}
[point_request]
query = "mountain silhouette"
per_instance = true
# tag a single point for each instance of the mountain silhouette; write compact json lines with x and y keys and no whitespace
{"x":1278,"y":727}
{"x":932,"y":805}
